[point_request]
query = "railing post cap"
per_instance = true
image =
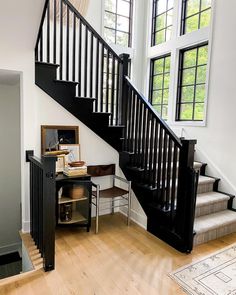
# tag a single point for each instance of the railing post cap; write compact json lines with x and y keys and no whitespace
{"x":124,"y":56}
{"x":188,"y":141}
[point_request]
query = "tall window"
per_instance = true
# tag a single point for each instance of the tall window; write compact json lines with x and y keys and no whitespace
{"x":162,"y":21}
{"x":118,"y":22}
{"x":160,"y":82}
{"x":192,"y":82}
{"x":196,"y":15}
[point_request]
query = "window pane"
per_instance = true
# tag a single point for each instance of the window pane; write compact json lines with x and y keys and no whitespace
{"x":165,"y":96}
{"x":161,"y":6}
{"x":200,"y":93}
{"x":122,"y":39}
{"x":123,"y":8}
{"x":205,"y":18}
{"x":157,"y":97}
{"x":169,"y":18}
{"x":187,"y":94}
{"x":206,"y":4}
{"x":110,"y":20}
{"x":196,"y":15}
{"x":191,"y":98}
{"x":202,"y":55}
{"x":109,"y":35}
{"x":166,"y":80}
{"x":160,"y":37}
{"x":193,"y":7}
{"x":201,"y":74}
{"x":186,"y":111}
{"x":117,"y":17}
{"x":167,"y":64}
{"x":160,"y":82}
{"x":190,"y":58}
{"x":158,"y":66}
{"x":199,"y":111}
{"x":122,"y":24}
{"x":110,"y":5}
{"x":170,"y":4}
{"x":191,"y":24}
{"x":161,"y":22}
{"x":158,"y":108}
{"x":188,"y":77}
{"x":164,"y":112}
{"x":157,"y":82}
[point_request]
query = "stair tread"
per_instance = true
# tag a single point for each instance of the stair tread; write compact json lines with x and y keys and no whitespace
{"x":212,"y":221}
{"x":64,"y":81}
{"x":206,"y":179}
{"x":47,"y":63}
{"x":210,"y":198}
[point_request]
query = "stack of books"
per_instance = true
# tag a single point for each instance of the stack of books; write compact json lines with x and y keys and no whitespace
{"x":75,"y":171}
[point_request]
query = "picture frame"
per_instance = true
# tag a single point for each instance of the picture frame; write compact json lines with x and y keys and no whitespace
{"x":60,"y":163}
{"x":54,"y":135}
{"x":74,"y":152}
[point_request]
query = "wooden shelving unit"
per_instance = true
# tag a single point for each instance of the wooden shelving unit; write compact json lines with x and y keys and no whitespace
{"x":64,"y":200}
{"x":76,"y":217}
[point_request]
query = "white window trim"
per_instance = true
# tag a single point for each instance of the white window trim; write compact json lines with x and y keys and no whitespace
{"x":173,"y":47}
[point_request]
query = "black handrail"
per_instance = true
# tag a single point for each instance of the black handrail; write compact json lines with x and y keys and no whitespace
{"x":152,"y":110}
{"x":42,"y":206}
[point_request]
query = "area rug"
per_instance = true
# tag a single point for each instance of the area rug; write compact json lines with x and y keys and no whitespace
{"x":213,"y":275}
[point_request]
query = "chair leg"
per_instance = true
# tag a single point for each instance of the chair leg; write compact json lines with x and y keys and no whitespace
{"x":129,"y":205}
{"x":97,"y":209}
{"x":112,"y":206}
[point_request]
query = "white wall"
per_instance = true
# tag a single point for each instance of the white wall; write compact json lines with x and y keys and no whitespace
{"x":10,"y":172}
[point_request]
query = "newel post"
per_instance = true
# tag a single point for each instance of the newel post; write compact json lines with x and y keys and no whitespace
{"x":49,"y":204}
{"x":186,"y":194}
{"x":123,"y":89}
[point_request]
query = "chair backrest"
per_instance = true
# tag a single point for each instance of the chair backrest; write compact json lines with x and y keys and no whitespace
{"x":101,"y":170}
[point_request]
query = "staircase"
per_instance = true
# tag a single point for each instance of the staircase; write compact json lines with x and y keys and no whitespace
{"x":79,"y":70}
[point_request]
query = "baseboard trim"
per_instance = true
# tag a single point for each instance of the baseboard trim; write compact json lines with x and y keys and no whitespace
{"x":135,"y":217}
{"x":16,"y":247}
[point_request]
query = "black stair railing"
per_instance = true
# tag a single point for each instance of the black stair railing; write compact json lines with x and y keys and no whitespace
{"x":42,"y":206}
{"x":67,"y":39}
{"x":166,"y":163}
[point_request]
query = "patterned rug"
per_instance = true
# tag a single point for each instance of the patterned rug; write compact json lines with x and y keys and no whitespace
{"x":213,"y":275}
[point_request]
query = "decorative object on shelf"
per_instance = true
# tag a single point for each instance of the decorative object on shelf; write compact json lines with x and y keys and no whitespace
{"x":74,"y":152}
{"x":60,"y":163}
{"x":57,"y":153}
{"x":73,"y":191}
{"x":77,"y":164}
{"x":75,"y":171}
{"x":66,"y":212}
{"x":52,"y":136}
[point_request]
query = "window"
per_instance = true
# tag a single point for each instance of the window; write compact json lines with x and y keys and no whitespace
{"x":118,"y":22}
{"x":192,"y":82}
{"x":196,"y":15}
{"x":160,"y":82}
{"x":162,"y":21}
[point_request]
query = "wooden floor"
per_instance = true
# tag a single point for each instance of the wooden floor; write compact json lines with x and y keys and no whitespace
{"x":119,"y":260}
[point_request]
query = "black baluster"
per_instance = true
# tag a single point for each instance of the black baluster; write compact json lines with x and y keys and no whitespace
{"x":55,"y":33}
{"x":91,"y":66}
{"x":48,"y":33}
{"x":67,"y":43}
{"x":61,"y":42}
{"x":86,"y":62}
{"x":74,"y":46}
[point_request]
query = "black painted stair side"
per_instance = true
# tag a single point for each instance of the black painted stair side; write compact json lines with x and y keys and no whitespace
{"x":64,"y":92}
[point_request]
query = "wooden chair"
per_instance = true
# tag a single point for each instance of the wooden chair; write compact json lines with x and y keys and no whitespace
{"x":110,"y":195}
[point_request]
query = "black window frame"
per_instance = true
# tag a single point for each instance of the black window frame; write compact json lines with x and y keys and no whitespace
{"x":151,"y":90}
{"x":155,"y":15}
{"x":180,"y":86}
{"x":184,"y":16}
{"x":130,"y":18}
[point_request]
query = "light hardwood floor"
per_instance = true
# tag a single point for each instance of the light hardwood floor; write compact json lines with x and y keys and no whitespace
{"x":119,"y":260}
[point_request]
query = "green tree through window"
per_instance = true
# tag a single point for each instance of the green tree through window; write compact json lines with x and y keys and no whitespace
{"x":192,"y":82}
{"x":160,"y":82}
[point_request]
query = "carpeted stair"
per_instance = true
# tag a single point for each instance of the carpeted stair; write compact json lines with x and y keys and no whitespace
{"x":213,"y":217}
